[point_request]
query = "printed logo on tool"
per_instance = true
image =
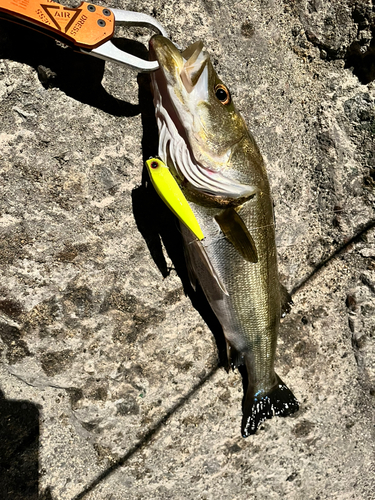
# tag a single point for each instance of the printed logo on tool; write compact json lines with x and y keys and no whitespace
{"x":65,"y":16}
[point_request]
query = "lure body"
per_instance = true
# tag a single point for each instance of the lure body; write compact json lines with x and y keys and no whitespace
{"x":170,"y":192}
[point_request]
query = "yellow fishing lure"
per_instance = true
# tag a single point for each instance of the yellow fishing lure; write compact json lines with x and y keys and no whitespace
{"x":170,"y":192}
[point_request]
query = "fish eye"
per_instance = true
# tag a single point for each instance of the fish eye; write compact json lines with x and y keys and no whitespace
{"x":222,"y":93}
{"x":154,"y":164}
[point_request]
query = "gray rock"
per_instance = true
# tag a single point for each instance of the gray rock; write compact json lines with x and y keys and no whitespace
{"x":116,"y":369}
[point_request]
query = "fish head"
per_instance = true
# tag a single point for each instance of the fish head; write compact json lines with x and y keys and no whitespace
{"x":199,"y":126}
{"x":202,"y":102}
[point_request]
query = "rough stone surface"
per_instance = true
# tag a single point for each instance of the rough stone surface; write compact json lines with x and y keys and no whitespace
{"x":109,"y":373}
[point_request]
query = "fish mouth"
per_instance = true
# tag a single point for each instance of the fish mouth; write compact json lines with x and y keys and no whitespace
{"x":183,"y":78}
{"x":187,"y":66}
{"x":195,"y":62}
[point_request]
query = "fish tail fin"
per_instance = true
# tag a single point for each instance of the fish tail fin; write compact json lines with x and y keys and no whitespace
{"x":279,"y":402}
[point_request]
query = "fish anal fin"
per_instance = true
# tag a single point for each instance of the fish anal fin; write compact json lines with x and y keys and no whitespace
{"x":280,"y":401}
{"x":236,"y":232}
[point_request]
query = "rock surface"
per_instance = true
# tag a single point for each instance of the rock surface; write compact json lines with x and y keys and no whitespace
{"x":110,"y":381}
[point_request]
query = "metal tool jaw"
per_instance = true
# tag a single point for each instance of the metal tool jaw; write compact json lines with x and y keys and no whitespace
{"x":109,"y":52}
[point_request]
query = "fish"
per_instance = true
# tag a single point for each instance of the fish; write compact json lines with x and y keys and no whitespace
{"x":218,"y":167}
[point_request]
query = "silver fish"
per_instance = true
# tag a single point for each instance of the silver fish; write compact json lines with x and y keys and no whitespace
{"x":215,"y":160}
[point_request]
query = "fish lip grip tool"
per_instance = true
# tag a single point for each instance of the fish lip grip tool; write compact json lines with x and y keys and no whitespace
{"x":88,"y":28}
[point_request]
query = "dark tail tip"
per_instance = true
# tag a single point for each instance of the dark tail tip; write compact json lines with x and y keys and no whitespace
{"x":279,"y":402}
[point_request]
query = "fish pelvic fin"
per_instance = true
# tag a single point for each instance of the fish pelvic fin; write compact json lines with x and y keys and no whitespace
{"x":279,"y":402}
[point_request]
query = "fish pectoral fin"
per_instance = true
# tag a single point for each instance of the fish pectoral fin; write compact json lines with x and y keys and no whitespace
{"x":236,"y":232}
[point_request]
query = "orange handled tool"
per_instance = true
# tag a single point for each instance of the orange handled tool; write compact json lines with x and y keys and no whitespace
{"x":88,"y":27}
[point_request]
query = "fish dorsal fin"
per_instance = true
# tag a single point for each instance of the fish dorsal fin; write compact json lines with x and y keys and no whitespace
{"x":170,"y":192}
{"x":237,"y":233}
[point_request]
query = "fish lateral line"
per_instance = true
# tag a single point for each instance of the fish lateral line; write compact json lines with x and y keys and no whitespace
{"x":256,"y":228}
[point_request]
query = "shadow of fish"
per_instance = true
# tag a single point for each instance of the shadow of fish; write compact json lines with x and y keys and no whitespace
{"x":217,"y":164}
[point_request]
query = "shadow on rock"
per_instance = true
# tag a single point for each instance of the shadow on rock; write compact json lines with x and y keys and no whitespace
{"x":19,"y":448}
{"x":76,"y":74}
{"x":361,"y":63}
